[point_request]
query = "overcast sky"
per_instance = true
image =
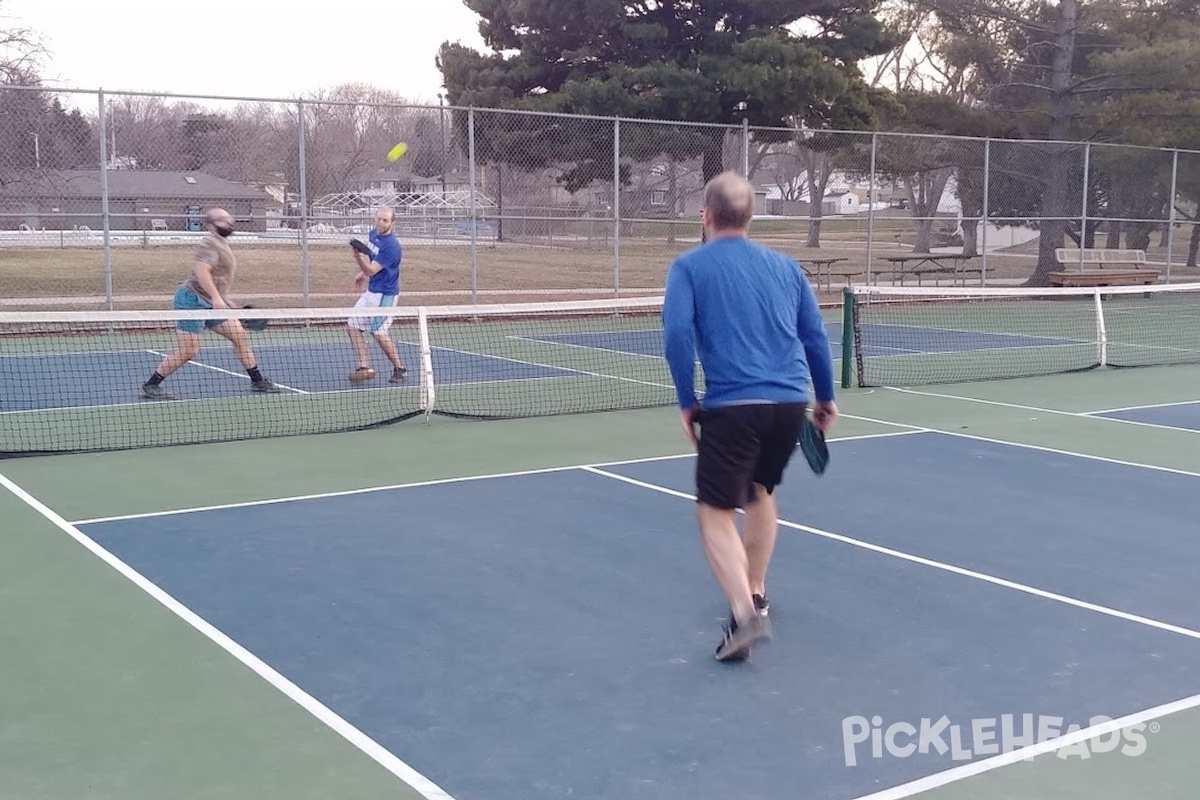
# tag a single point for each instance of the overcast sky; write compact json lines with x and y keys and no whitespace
{"x":256,"y":48}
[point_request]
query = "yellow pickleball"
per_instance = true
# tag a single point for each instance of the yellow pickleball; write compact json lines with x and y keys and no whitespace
{"x":397,"y":151}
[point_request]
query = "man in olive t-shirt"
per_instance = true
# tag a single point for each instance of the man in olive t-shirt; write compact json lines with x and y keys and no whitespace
{"x":207,"y":287}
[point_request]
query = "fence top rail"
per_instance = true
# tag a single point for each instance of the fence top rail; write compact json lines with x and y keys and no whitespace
{"x":300,"y":101}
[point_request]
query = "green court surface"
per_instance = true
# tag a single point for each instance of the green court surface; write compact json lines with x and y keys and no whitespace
{"x":114,"y":690}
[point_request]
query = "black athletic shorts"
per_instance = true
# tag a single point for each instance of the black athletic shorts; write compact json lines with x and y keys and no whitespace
{"x":741,"y":445}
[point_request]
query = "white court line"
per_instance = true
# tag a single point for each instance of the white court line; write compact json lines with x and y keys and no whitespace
{"x":559,"y":368}
{"x":439,"y":482}
{"x":1038,"y":409}
{"x":550,"y":343}
{"x":939,"y":565}
{"x":227,"y":372}
{"x":1038,"y":447}
{"x":69,"y":353}
{"x":992,"y":763}
{"x":1146,"y":407}
{"x":374,"y":750}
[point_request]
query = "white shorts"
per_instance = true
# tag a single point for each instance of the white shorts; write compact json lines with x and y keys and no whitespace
{"x":376,"y":325}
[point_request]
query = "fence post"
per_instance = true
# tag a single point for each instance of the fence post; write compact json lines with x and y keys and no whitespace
{"x":303,"y":167}
{"x":104,"y":220}
{"x":745,"y":148}
{"x":871,"y":181}
{"x":1083,"y":215}
{"x":471,"y":204}
{"x":987,"y":175}
{"x":616,"y":207}
{"x":1171,"y":214}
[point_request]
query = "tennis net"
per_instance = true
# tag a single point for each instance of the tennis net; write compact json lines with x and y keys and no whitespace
{"x":72,"y":381}
{"x":908,"y":336}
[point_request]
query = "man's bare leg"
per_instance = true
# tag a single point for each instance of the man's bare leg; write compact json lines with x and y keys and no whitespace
{"x":236,"y":334}
{"x":233,"y":331}
{"x":389,"y":349}
{"x":761,"y":529}
{"x":187,"y":345}
{"x":358,"y":341}
{"x":186,"y":348}
{"x":727,"y":557}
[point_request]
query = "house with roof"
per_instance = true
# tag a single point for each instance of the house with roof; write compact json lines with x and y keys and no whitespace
{"x":138,"y":200}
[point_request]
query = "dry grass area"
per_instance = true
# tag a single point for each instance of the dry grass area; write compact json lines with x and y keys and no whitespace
{"x":72,"y":278}
{"x":273,"y":276}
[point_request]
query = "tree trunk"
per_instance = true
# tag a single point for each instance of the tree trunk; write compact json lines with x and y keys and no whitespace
{"x":1138,"y":235}
{"x":1194,"y":246}
{"x":1054,"y":198}
{"x":714,"y":156}
{"x":924,"y":198}
{"x":970,"y":234}
{"x":814,"y":229}
{"x":819,"y":167}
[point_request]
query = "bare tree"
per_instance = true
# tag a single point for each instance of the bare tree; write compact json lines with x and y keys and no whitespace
{"x":21,"y":53}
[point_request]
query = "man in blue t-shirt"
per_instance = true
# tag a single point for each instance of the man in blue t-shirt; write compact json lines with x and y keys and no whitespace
{"x":751,"y":316}
{"x":379,"y":275}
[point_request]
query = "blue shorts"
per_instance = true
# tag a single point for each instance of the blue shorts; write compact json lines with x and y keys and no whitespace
{"x":188,"y":300}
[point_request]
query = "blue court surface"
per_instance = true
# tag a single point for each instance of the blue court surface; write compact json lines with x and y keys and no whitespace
{"x":1173,"y":415}
{"x":876,"y":340}
{"x":566,"y":650}
{"x":73,"y":380}
{"x":104,"y":378}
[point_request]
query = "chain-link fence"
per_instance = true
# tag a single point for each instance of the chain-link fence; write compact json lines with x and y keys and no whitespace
{"x":102,"y":197}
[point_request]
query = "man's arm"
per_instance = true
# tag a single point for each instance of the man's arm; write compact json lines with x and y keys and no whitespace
{"x":366,"y":267}
{"x":815,"y":338}
{"x":679,"y":337}
{"x":203,"y":272}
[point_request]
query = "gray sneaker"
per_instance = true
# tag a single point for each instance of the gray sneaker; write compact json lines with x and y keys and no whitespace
{"x":738,"y":638}
{"x":399,"y":375}
{"x":153,"y":391}
{"x":264,"y":386}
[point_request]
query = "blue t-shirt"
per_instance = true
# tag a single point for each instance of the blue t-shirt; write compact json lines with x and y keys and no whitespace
{"x":752,"y":317}
{"x":388,"y":253}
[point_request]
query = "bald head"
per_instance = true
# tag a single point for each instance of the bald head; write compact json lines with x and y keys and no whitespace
{"x":728,"y":203}
{"x":219,"y":221}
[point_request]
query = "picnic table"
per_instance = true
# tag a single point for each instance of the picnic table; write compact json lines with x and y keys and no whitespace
{"x":821,"y":269}
{"x":921,"y":264}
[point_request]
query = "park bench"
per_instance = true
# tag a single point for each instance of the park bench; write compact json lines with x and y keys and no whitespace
{"x":1095,"y":266}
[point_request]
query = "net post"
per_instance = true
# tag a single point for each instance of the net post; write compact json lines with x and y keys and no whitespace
{"x":428,"y":391}
{"x":847,"y":333}
{"x":1101,"y":331}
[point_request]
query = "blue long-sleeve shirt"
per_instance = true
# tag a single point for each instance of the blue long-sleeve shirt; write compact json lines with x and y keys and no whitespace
{"x":752,"y":317}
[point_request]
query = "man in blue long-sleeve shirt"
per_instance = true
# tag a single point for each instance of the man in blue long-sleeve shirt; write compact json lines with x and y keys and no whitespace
{"x":751,"y":316}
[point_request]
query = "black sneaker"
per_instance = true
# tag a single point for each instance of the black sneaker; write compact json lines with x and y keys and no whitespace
{"x":154,"y":391}
{"x":735,"y":646}
{"x":399,"y":375}
{"x":762,"y":604}
{"x":264,"y":386}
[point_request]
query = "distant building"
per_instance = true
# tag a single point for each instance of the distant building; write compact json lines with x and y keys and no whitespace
{"x":139,"y":200}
